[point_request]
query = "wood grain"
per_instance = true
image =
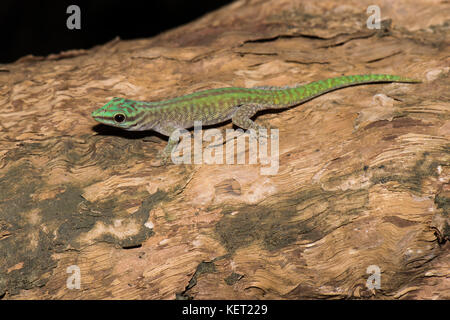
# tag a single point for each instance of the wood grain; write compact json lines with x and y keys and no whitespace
{"x":363,"y":178}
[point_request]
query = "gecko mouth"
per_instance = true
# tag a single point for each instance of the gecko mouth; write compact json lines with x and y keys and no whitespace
{"x":101,"y":118}
{"x":105,"y":120}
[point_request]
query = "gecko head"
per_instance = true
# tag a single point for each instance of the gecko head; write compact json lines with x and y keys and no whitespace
{"x":118,"y":112}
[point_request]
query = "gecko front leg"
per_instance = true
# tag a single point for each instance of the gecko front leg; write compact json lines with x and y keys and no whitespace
{"x":168,"y":130}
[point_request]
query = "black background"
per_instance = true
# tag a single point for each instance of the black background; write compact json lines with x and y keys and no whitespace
{"x":39,"y":27}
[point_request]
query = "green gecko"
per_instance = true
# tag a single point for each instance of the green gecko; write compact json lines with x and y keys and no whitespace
{"x":219,"y":105}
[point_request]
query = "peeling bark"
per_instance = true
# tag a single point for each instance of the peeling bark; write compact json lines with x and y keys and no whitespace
{"x":363,"y":178}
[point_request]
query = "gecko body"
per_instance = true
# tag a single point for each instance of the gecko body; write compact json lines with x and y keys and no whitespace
{"x":215,"y":106}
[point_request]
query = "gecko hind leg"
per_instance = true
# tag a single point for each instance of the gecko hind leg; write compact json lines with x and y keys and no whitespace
{"x":241,"y":118}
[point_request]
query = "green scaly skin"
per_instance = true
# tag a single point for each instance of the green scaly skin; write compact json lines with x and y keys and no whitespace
{"x":219,"y":105}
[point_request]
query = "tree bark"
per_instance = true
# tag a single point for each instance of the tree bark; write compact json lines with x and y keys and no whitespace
{"x":362,"y":185}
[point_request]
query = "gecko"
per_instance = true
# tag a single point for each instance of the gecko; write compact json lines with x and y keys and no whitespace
{"x":215,"y":106}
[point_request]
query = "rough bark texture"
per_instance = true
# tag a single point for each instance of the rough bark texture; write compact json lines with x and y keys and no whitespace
{"x":363,"y":178}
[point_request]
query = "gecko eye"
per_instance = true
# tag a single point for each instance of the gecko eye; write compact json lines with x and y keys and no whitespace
{"x":119,"y":118}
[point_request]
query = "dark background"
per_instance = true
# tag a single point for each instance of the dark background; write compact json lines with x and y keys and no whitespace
{"x":39,"y":27}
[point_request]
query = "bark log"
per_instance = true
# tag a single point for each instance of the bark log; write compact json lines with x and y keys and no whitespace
{"x":363,"y":175}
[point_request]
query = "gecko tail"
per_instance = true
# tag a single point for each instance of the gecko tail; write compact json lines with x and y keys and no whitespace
{"x":393,"y":78}
{"x":368,"y":78}
{"x":330,"y":84}
{"x":309,"y":91}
